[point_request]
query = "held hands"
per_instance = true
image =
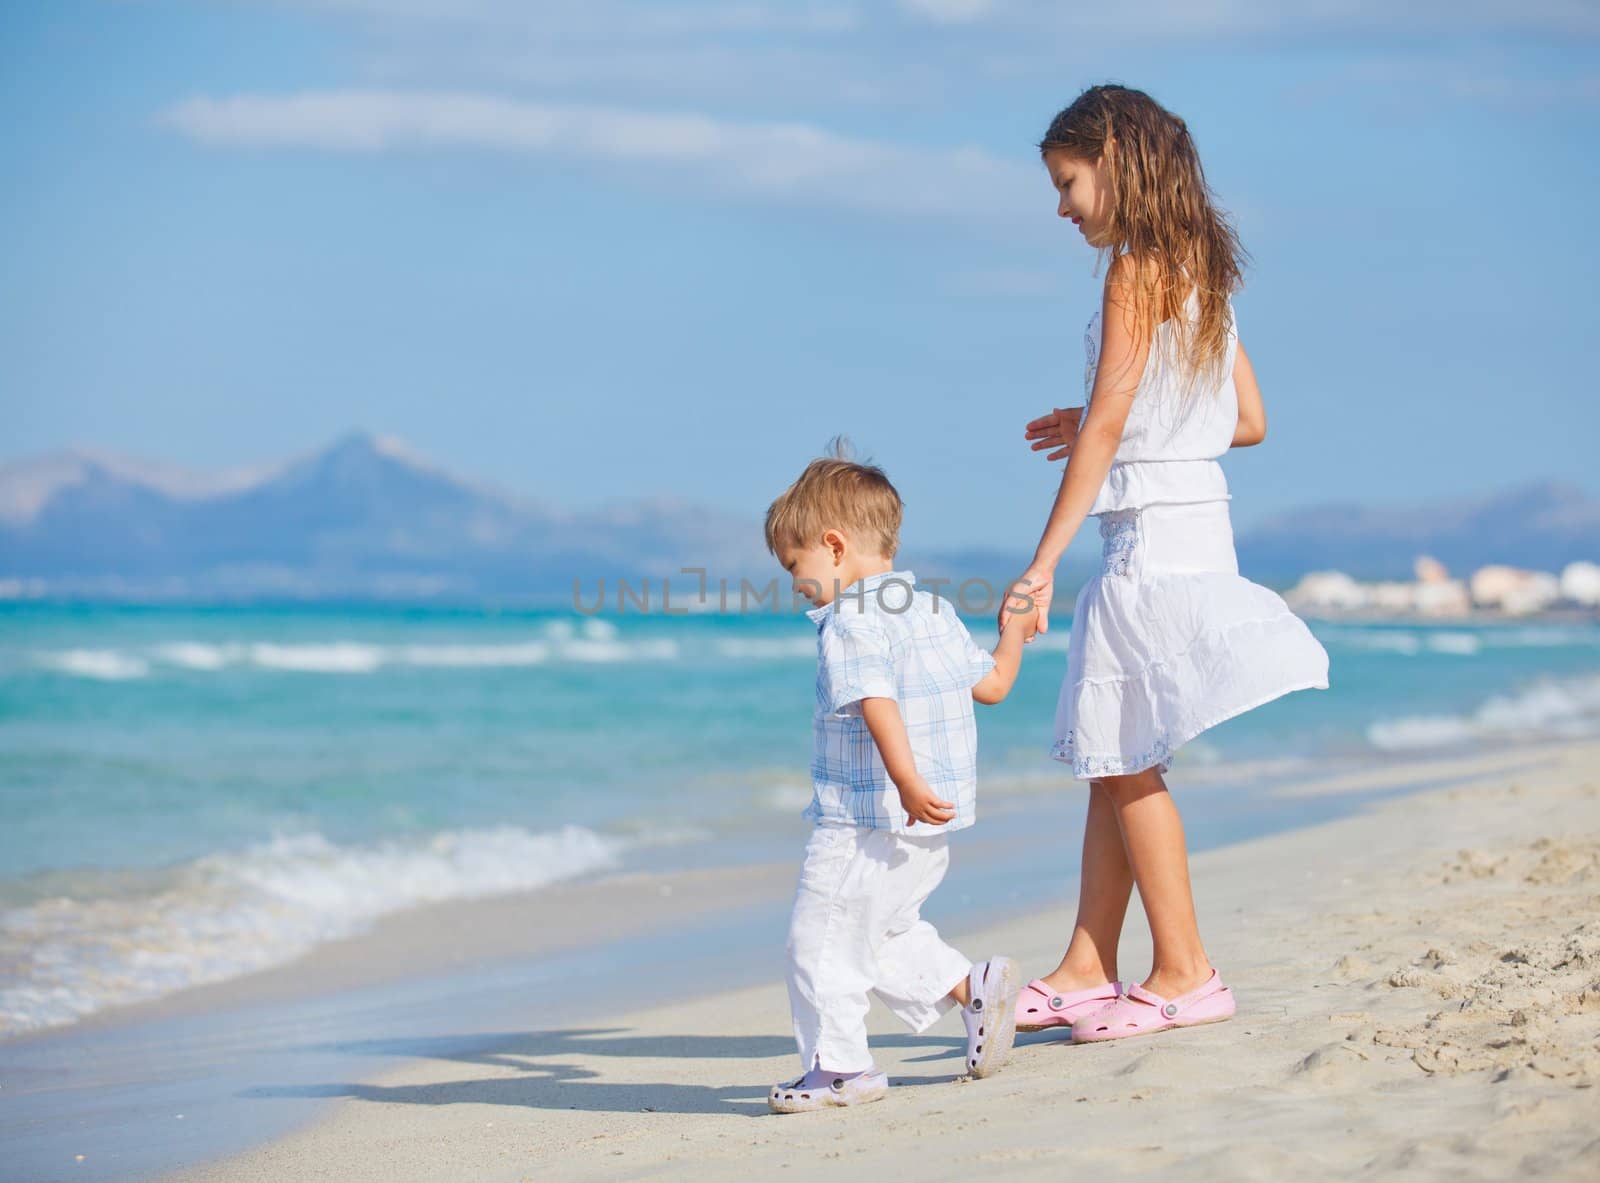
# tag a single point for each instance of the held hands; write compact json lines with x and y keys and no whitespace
{"x":921,"y":805}
{"x":1033,"y":585}
{"x":1058,"y":430}
{"x":1026,"y":618}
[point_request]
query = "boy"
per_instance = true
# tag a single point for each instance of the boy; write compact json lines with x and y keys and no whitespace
{"x":893,"y":772}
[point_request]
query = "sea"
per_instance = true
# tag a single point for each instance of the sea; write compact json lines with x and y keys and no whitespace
{"x":189,"y":794}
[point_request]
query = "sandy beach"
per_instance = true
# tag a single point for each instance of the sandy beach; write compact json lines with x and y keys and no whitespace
{"x":1419,"y":996}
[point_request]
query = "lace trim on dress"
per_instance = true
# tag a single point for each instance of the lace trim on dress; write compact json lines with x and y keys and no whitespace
{"x":1091,"y":353}
{"x":1119,"y":531}
{"x":1162,"y":748}
{"x":1159,"y":753}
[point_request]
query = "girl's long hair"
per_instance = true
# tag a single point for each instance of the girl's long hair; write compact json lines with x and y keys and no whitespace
{"x":1163,"y":216}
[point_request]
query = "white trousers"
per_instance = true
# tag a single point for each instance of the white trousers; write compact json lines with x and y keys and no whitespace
{"x":856,"y":929}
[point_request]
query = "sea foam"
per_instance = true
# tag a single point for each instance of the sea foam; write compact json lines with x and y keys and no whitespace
{"x":229,"y":914}
{"x":104,"y":665}
{"x":588,"y":642}
{"x":1550,"y":709}
{"x":1460,"y":642}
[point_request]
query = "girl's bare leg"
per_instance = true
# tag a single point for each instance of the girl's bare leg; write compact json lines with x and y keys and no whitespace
{"x":1105,"y":885}
{"x":1159,"y":858}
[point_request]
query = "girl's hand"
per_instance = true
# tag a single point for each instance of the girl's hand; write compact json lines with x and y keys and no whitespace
{"x":1058,"y":430}
{"x":1034,"y":584}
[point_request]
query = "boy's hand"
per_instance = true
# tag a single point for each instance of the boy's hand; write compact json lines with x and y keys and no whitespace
{"x":921,"y":805}
{"x":1027,"y":623}
{"x":1036,"y":586}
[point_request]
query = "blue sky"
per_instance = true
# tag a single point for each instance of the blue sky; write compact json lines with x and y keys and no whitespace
{"x":598,"y":251}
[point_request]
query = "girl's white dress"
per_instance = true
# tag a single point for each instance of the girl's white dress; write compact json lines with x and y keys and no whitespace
{"x":1169,"y":639}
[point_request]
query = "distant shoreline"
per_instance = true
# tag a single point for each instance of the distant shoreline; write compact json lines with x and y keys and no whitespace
{"x":539,"y":604}
{"x":1476,"y":618}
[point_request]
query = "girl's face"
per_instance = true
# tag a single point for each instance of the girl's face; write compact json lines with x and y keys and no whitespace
{"x":1083,"y":192}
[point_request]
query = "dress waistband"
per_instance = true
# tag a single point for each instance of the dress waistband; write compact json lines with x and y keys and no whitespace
{"x":1134,"y":483}
{"x":1176,"y":539}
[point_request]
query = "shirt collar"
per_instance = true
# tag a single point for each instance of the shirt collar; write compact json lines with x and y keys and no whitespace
{"x":865,"y":585}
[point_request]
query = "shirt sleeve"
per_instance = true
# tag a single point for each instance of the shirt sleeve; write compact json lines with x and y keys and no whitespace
{"x":853,"y":662}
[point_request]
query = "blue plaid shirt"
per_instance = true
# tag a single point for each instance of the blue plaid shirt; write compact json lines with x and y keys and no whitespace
{"x":881,"y":639}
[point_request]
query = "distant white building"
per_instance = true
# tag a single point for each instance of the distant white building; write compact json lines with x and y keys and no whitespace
{"x":1514,"y":591}
{"x":1428,"y":569}
{"x":1509,"y":590}
{"x":1328,"y":591}
{"x":1334,"y":591}
{"x":1446,"y":597}
{"x":1393,"y":596}
{"x":1580,"y":583}
{"x":1435,"y":593}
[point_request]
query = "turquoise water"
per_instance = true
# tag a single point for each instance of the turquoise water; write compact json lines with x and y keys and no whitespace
{"x":189,"y":794}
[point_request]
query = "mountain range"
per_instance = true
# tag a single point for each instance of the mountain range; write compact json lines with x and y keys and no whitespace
{"x":368,"y":518}
{"x":1543,"y":526}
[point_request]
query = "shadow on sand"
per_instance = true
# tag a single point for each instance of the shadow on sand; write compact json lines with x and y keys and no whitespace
{"x":546,"y":1085}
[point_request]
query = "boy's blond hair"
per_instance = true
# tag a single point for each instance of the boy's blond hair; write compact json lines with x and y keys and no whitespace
{"x":837,"y":493}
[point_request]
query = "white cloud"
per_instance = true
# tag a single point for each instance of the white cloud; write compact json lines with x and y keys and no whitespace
{"x":751,"y":18}
{"x":784,"y":161}
{"x":1524,"y":92}
{"x":622,"y":19}
{"x":773,"y":78}
{"x":1489,"y":78}
{"x":1380,"y":21}
{"x":836,"y":55}
{"x":772,"y":55}
{"x":949,"y":12}
{"x":1142,"y":20}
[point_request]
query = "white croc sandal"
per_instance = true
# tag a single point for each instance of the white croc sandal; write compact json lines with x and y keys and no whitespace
{"x":828,"y":1090}
{"x":991,"y":1015}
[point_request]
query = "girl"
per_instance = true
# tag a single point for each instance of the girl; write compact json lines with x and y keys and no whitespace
{"x":1168,"y":639}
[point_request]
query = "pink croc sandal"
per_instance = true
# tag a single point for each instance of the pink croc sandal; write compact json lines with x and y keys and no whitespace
{"x":1040,"y":1007}
{"x":1139,"y":1012}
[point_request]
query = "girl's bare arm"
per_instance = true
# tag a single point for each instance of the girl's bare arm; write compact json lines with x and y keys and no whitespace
{"x":1252,"y":427}
{"x":1124,"y":349}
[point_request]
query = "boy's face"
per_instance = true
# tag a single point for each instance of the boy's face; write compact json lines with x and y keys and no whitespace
{"x":1082,"y":189}
{"x":815,"y":569}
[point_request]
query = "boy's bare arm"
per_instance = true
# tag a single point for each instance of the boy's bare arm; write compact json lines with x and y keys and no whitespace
{"x":889,"y":733}
{"x":997,"y":683}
